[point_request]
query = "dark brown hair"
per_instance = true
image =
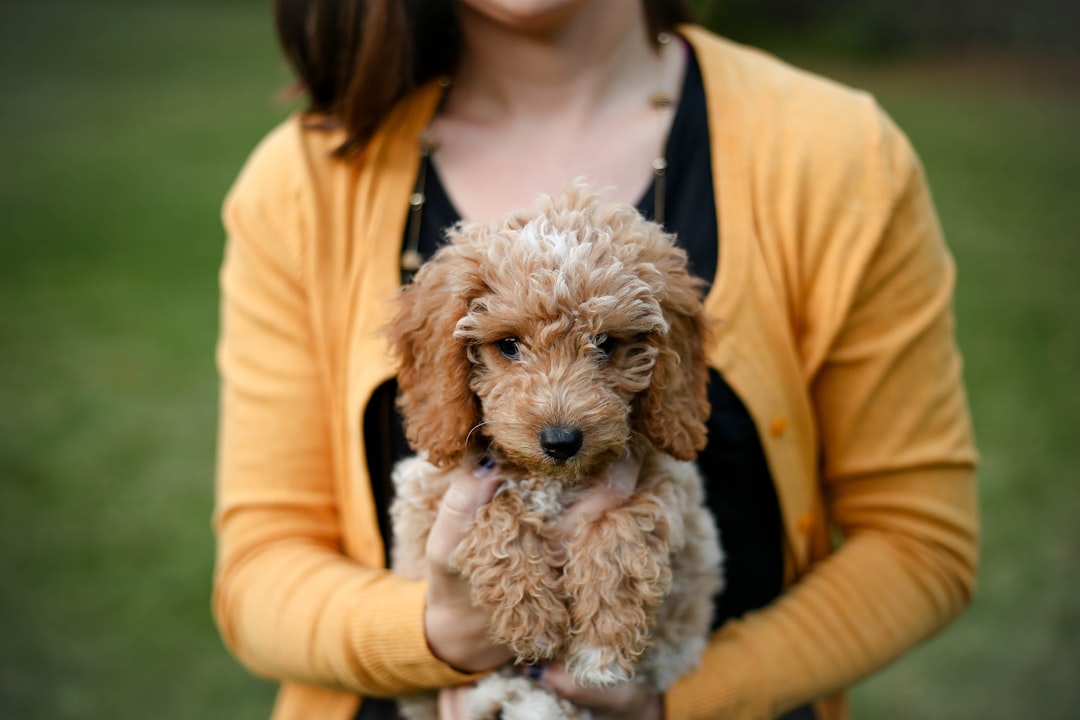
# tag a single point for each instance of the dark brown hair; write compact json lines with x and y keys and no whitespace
{"x":355,"y":59}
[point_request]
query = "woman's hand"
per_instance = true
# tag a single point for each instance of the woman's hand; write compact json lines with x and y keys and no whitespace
{"x":629,"y":701}
{"x":610,"y":491}
{"x":453,"y":702}
{"x":457,"y":632}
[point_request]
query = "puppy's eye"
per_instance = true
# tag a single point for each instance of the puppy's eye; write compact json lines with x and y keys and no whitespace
{"x":509,"y":347}
{"x":605,"y":344}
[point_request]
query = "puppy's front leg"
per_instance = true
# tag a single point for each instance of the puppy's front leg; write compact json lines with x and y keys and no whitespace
{"x":513,"y":560}
{"x":617,"y":576}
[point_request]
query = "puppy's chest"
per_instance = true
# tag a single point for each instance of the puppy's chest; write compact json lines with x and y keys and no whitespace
{"x":545,"y":496}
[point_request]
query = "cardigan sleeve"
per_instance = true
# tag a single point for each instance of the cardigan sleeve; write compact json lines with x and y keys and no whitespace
{"x":896,"y":450}
{"x":289,"y":603}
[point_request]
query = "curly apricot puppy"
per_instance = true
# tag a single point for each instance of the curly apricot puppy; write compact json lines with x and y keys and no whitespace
{"x":556,"y":341}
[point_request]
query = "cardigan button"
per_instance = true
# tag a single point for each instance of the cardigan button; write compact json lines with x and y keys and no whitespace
{"x":778,"y":426}
{"x":806,"y":523}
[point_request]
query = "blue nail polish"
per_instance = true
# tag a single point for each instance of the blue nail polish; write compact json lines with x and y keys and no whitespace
{"x":484,"y":468}
{"x":535,"y":672}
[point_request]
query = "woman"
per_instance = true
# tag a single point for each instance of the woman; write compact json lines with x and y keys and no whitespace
{"x":837,"y":398}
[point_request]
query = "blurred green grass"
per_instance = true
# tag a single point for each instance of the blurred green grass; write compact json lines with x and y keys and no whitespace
{"x":123,"y":124}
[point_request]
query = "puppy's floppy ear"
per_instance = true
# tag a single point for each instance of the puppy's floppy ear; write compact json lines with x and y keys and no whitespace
{"x":434,"y":397}
{"x":673,"y":411}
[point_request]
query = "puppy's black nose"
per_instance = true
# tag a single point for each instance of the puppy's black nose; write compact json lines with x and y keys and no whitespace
{"x":561,"y":443}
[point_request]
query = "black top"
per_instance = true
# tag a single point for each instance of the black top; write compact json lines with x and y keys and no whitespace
{"x":738,"y":486}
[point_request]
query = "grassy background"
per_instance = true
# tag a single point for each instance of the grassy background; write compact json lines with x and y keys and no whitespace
{"x":122,"y":125}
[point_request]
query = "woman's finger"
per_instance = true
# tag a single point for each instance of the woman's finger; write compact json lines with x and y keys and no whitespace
{"x":558,"y":680}
{"x":629,"y":701}
{"x":456,"y":630}
{"x":612,"y":490}
{"x":466,"y":494}
{"x":453,"y":702}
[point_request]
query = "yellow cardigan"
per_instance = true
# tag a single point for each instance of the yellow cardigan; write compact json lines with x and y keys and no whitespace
{"x":834,"y":326}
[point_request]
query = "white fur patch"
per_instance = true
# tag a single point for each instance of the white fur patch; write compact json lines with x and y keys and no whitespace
{"x":511,"y":697}
{"x":544,"y":237}
{"x":589,"y":669}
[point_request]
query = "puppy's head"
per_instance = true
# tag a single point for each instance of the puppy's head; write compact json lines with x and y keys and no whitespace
{"x":553,"y":339}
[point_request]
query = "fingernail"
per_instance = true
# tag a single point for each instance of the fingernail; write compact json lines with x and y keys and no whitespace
{"x":535,"y":672}
{"x":484,"y":467}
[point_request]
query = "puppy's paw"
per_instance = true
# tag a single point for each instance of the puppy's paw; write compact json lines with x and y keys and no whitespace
{"x":598,"y":667}
{"x":511,"y":697}
{"x":513,"y":563}
{"x":534,"y":628}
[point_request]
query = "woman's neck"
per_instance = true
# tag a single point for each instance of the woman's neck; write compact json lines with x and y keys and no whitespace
{"x":569,"y":64}
{"x":540,"y":100}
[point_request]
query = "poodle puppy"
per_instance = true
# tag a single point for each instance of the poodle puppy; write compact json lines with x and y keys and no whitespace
{"x":556,"y":341}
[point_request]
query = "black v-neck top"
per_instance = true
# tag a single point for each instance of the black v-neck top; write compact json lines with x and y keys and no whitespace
{"x":738,"y":486}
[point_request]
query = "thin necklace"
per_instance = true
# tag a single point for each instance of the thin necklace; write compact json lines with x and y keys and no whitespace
{"x":412,"y":258}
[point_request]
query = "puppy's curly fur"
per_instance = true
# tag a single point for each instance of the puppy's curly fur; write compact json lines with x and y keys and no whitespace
{"x":556,"y":341}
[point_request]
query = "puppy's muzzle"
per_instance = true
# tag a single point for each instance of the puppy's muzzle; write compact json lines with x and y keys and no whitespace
{"x":561,"y":443}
